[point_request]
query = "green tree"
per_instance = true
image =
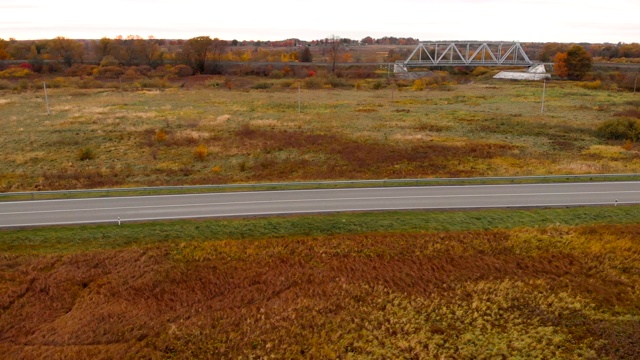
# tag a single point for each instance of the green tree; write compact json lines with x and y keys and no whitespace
{"x":578,"y":62}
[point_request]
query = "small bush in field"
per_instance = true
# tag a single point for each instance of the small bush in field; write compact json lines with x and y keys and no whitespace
{"x":619,"y":129}
{"x":183,"y":70}
{"x":109,"y":72}
{"x":200,"y":153}
{"x":378,"y":85}
{"x":419,"y":85}
{"x":89,"y":83}
{"x":58,"y":82}
{"x":86,"y":154}
{"x":312,"y":83}
{"x":591,"y":85}
{"x":6,"y":85}
{"x":161,"y":135}
{"x":15,"y":72}
{"x":262,"y":85}
{"x":276,"y":74}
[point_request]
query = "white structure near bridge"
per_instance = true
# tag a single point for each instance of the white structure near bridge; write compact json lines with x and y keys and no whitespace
{"x":535,"y":73}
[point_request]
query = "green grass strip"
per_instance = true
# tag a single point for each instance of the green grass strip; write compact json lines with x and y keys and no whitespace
{"x":100,"y":237}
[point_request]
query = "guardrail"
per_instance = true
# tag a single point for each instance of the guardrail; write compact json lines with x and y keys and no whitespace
{"x":32,"y":195}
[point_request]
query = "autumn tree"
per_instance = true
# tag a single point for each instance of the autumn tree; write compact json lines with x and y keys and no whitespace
{"x":19,"y":50}
{"x":560,"y":65}
{"x":367,"y":41}
{"x":37,"y":52}
{"x":103,"y":47}
{"x":574,"y":64}
{"x":195,"y":51}
{"x":149,"y":52}
{"x":4,"y":55}
{"x":305,"y":55}
{"x":549,"y":50}
{"x":128,"y":49}
{"x":67,"y":50}
{"x":334,"y":48}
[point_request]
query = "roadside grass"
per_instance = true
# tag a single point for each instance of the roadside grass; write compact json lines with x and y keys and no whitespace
{"x":73,"y":239}
{"x":485,"y":128}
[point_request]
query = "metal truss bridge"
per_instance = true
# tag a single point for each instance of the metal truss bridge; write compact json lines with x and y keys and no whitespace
{"x":466,"y":53}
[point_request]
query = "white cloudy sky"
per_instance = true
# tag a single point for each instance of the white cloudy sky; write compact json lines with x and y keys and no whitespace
{"x":522,"y":20}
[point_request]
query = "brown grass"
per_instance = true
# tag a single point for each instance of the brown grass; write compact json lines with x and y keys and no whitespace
{"x":371,"y":295}
{"x":484,"y":128}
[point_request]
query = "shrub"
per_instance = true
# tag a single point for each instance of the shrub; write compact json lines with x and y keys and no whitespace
{"x":286,"y":84}
{"x":110,"y":72}
{"x":619,"y":129}
{"x":479,"y":71}
{"x":312,"y":83}
{"x":419,"y":85}
{"x":5,"y":85}
{"x":80,"y":70}
{"x":183,"y":70}
{"x":15,"y":72}
{"x":276,"y":74}
{"x":108,"y":60}
{"x":152,"y":83}
{"x":262,"y":85}
{"x":23,"y":84}
{"x":591,"y":85}
{"x":200,"y":153}
{"x":378,"y":85}
{"x":57,"y":83}
{"x":86,"y":154}
{"x":161,"y":135}
{"x":89,"y":83}
{"x":336,"y":82}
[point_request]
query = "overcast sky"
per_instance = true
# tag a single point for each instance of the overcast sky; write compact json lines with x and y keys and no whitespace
{"x":506,"y":20}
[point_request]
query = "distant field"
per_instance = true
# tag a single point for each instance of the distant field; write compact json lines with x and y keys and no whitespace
{"x":205,"y":133}
{"x":555,"y":283}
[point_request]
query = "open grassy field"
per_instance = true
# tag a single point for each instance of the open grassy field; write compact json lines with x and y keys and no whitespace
{"x":555,"y":283}
{"x":552,"y":283}
{"x":203,"y":132}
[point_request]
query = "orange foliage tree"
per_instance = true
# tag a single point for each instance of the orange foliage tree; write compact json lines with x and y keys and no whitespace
{"x":560,"y":65}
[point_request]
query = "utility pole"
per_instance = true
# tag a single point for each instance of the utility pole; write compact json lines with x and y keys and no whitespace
{"x":299,"y":99}
{"x":544,"y":90}
{"x":46,"y":98}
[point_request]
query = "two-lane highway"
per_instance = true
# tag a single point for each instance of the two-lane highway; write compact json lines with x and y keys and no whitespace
{"x":144,"y":208}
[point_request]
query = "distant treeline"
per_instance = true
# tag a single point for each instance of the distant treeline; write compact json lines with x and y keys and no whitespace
{"x":205,"y":54}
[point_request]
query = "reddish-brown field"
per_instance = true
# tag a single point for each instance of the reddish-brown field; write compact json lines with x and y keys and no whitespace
{"x":557,"y":292}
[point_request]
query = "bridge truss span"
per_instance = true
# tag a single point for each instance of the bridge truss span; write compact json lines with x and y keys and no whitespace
{"x":467,"y":53}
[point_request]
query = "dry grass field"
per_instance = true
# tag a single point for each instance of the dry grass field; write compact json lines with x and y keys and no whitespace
{"x":561,"y":292}
{"x":233,"y":130}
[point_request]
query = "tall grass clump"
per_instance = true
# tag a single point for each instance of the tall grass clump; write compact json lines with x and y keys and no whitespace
{"x":623,"y":128}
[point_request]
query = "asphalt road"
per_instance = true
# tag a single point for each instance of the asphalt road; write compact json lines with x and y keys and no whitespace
{"x":145,"y":208}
